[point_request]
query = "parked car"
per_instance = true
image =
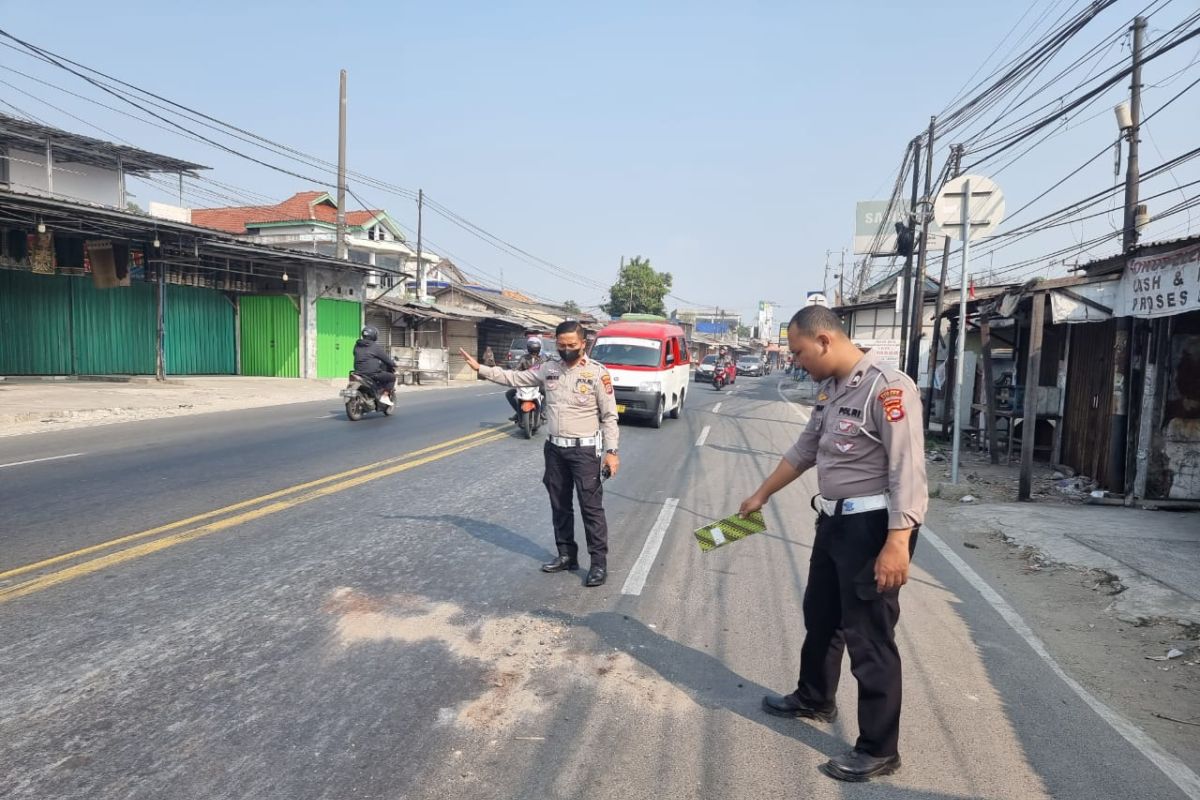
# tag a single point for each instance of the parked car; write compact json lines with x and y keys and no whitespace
{"x":649,"y":364}
{"x":704,"y":370}
{"x":750,"y":365}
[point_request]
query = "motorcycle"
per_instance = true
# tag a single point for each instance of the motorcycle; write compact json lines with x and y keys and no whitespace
{"x":529,"y":417}
{"x":361,"y":396}
{"x":720,"y":378}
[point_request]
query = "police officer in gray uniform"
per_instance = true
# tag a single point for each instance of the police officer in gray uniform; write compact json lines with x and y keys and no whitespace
{"x":581,"y":412}
{"x":866,"y":440}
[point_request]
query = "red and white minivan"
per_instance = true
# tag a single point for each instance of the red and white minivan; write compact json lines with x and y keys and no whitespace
{"x":649,"y":363}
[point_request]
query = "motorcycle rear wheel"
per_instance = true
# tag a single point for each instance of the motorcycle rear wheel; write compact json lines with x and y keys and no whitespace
{"x":527,"y":423}
{"x":354,"y":410}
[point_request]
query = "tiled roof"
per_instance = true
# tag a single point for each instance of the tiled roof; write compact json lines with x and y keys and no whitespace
{"x":300,"y":207}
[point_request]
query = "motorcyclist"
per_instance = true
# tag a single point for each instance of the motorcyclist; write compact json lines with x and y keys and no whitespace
{"x":533,"y":356}
{"x":373,"y":362}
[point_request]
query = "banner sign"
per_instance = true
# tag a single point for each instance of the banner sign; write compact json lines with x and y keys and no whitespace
{"x":1161,"y":285}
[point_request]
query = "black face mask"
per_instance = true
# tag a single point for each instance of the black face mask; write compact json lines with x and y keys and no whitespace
{"x":569,"y":356}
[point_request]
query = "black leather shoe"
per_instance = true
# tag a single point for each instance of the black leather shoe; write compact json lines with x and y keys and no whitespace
{"x":789,"y":705}
{"x":596,"y":576}
{"x":858,"y":766}
{"x":513,"y":418}
{"x":561,"y":563}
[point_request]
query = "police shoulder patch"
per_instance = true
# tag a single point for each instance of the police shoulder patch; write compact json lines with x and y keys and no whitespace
{"x":607,"y":381}
{"x":893,"y":404}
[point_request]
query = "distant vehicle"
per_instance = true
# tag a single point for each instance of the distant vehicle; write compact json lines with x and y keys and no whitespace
{"x":704,"y":371}
{"x":517,"y":349}
{"x":750,"y":365}
{"x":649,"y":364}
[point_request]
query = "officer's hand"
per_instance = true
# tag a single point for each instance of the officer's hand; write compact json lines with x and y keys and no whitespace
{"x":891,"y":566}
{"x":750,"y":505}
{"x":613,"y":463}
{"x":471,"y":362}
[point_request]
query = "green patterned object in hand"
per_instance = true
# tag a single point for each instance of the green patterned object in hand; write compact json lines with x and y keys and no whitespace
{"x":730,"y":529}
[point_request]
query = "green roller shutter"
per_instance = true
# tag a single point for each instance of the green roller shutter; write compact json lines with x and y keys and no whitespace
{"x":113,"y":329}
{"x":35,"y":324}
{"x":199,"y":332}
{"x":270,"y":327}
{"x":337,"y":330}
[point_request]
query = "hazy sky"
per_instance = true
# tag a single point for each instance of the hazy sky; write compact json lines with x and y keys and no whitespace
{"x":726,"y":142}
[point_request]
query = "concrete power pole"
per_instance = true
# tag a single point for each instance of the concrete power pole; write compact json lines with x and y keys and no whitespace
{"x":422,"y":282}
{"x":341,"y":176}
{"x":1122,"y":344}
{"x":913,"y":362}
{"x":1132,"y":176}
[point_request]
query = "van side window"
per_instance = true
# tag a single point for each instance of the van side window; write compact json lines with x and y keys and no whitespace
{"x":683,"y":351}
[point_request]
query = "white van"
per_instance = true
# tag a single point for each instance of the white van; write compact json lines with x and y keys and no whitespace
{"x":650,"y":366}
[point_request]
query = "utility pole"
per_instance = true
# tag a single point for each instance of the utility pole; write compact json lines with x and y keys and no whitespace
{"x":913,"y":362}
{"x":341,"y":176}
{"x":825,"y":283}
{"x":908,"y":257}
{"x":956,"y":154}
{"x":842,"y":280}
{"x":422,"y":288}
{"x":1132,"y":177}
{"x":1122,"y":344}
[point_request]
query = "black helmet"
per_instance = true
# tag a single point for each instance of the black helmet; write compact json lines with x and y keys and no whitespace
{"x":533,"y":344}
{"x":370,"y":333}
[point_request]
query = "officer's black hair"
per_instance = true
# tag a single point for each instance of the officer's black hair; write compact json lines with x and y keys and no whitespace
{"x":570,"y":326}
{"x":813,"y":320}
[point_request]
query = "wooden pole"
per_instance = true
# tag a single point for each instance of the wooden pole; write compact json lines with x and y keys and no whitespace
{"x":1032,"y":369}
{"x":989,"y":390}
{"x":948,"y":385}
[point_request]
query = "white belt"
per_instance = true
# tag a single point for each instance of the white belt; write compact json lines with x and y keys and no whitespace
{"x":852,"y":505}
{"x":565,"y":441}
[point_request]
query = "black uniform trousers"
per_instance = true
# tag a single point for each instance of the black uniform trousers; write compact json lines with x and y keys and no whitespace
{"x":843,"y":610}
{"x":577,"y":469}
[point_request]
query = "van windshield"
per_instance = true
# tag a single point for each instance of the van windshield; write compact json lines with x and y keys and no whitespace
{"x":628,"y":352}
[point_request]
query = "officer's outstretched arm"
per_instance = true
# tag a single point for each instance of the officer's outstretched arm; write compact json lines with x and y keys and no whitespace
{"x":504,"y":377}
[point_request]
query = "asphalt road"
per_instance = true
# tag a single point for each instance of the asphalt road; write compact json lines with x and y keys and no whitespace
{"x":265,"y":630}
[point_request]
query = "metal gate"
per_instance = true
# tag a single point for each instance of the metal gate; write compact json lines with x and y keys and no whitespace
{"x":1087,"y":415}
{"x":460,"y":334}
{"x":270,"y":327}
{"x":338,"y":326}
{"x":35,"y":324}
{"x":199,"y":337}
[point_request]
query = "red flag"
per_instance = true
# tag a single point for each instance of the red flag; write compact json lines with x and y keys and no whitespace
{"x":971,"y":289}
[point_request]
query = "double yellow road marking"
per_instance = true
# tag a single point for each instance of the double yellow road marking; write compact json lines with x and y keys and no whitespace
{"x":185,"y":530}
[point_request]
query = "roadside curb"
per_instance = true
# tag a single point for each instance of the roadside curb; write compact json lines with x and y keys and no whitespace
{"x":65,"y":418}
{"x":1136,"y":598}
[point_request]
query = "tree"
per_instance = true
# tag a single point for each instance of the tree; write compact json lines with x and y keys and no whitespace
{"x":743,"y":332}
{"x":572,"y":308}
{"x":134,"y":208}
{"x":638,"y":290}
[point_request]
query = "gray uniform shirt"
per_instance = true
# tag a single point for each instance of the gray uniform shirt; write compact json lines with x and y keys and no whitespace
{"x":865,"y":437}
{"x":578,"y":399}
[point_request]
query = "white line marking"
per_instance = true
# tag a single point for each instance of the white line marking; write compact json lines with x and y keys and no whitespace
{"x":703,"y":436}
{"x":717,"y":407}
{"x":794,"y":406}
{"x":641,"y":568}
{"x":1172,"y":767}
{"x":40,"y":460}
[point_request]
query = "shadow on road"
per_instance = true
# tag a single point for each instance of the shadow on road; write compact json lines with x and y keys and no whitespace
{"x":495,"y":535}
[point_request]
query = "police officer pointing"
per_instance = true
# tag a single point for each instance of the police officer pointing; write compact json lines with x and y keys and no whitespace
{"x":579,"y":407}
{"x":866,"y":440}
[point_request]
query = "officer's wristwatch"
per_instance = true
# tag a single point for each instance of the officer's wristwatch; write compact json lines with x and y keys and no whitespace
{"x":611,"y":452}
